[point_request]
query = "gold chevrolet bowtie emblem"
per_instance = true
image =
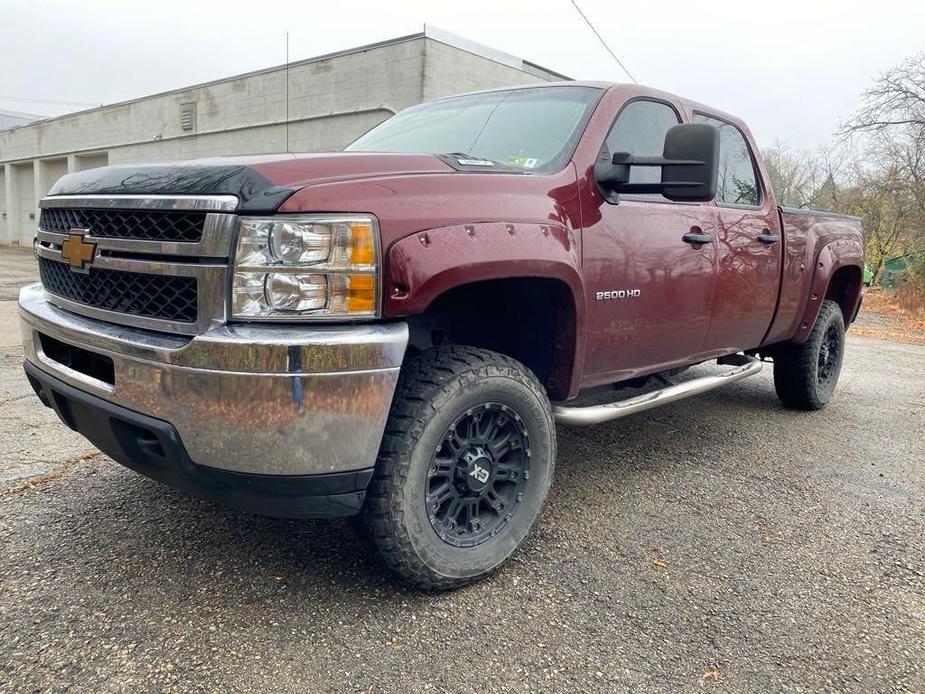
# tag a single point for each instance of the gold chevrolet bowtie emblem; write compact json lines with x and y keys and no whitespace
{"x":77,"y":252}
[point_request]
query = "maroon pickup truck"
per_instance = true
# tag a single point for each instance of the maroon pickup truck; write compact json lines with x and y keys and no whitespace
{"x":393,"y":331}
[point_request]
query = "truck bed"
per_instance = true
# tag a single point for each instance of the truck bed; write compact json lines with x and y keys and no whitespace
{"x":806,"y":234}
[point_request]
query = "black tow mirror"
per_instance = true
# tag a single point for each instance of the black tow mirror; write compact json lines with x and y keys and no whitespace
{"x":689,"y":163}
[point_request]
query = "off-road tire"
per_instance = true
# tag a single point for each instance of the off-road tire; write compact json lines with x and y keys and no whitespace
{"x":435,"y":388}
{"x":799,"y":369}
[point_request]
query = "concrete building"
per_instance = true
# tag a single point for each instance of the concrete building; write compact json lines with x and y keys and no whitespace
{"x":318,"y":104}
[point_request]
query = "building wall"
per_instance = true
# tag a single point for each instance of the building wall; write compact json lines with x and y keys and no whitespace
{"x":50,"y":170}
{"x":237,"y":116}
{"x":450,"y":70}
{"x":3,"y":206}
{"x":24,"y":198}
{"x":331,"y":100}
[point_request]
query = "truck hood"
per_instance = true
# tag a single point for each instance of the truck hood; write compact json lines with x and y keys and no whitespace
{"x":261,"y":183}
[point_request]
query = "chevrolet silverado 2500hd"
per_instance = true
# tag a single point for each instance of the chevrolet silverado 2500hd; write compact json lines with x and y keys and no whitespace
{"x":393,"y":330}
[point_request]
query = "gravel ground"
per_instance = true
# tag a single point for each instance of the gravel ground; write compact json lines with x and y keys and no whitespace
{"x":722,"y":543}
{"x":17,"y":267}
{"x":883,"y":318}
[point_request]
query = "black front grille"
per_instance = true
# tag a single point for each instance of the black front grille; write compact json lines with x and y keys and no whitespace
{"x":133,"y":293}
{"x":145,"y":225}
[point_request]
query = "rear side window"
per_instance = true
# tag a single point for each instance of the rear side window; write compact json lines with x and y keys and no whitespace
{"x":737,"y":184}
{"x":640,"y":129}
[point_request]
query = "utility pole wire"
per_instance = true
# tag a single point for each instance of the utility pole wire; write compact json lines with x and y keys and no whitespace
{"x":47,"y":101}
{"x":603,"y":42}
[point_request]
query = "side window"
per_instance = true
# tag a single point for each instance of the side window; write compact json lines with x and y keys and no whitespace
{"x":737,"y":184}
{"x":640,"y":129}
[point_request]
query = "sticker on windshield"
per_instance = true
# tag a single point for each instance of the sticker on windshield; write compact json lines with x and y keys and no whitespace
{"x":475,"y":162}
{"x":522,"y":162}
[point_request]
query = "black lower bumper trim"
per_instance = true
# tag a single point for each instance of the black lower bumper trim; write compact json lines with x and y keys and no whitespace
{"x":153,"y":448}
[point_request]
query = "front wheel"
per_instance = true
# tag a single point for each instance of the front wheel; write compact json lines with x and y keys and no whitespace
{"x":805,"y":375}
{"x":464,"y":468}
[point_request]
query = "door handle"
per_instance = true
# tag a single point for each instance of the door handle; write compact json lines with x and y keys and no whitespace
{"x":768,"y":238}
{"x":697,"y":238}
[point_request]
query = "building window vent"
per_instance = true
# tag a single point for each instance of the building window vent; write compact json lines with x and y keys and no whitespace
{"x":188,"y":117}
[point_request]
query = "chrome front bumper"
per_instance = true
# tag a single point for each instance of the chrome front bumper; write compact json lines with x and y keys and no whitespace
{"x":255,"y":399}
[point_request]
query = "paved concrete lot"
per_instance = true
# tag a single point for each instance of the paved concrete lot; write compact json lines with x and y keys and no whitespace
{"x":16,"y":269}
{"x":719,"y":544}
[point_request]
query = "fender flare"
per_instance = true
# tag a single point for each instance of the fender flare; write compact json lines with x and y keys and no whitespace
{"x":423,"y":266}
{"x":832,"y":257}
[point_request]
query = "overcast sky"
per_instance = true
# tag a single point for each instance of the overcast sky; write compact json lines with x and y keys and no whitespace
{"x":793,"y":70}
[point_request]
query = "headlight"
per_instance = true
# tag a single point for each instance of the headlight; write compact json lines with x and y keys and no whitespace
{"x":317,"y":266}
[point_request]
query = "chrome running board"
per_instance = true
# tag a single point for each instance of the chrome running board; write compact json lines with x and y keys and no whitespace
{"x":745,"y":366}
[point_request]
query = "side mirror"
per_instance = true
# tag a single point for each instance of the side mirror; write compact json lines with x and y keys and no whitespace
{"x":689,"y":163}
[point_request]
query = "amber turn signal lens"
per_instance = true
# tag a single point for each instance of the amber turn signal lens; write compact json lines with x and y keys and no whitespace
{"x":361,"y":294}
{"x":361,"y":244}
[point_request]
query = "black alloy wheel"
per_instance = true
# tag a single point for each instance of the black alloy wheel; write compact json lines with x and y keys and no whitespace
{"x":805,"y":375}
{"x":465,"y":465}
{"x":478,"y":474}
{"x":829,"y":355}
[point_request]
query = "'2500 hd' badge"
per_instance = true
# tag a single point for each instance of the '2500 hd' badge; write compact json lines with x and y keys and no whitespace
{"x":618,"y":294}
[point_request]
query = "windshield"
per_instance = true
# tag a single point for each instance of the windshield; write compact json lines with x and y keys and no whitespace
{"x":525,"y":129}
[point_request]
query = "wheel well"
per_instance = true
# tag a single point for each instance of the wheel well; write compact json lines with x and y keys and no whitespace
{"x":844,"y":288}
{"x":529,"y":319}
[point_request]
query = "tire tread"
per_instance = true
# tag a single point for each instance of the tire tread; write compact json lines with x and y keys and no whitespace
{"x":425,"y":382}
{"x":795,"y":366}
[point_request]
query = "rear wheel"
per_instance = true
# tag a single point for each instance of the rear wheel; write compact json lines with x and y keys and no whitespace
{"x":464,"y":468}
{"x":805,"y":375}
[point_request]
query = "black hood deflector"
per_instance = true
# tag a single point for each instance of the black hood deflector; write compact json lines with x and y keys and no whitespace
{"x":255,"y":192}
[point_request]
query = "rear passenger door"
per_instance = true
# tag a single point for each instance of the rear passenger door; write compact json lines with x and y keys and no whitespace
{"x":748,"y":246}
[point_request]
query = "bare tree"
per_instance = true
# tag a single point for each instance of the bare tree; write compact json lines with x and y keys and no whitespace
{"x":889,"y":190}
{"x":891,"y":125}
{"x":889,"y":212}
{"x":896,"y":102}
{"x":907,"y":155}
{"x":804,"y":178}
